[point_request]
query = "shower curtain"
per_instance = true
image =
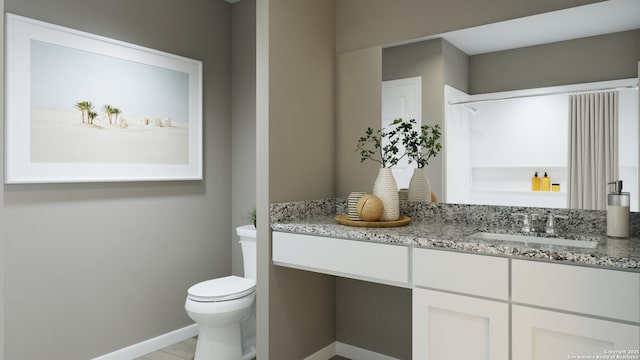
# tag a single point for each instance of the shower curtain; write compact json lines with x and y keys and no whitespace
{"x":593,"y":148}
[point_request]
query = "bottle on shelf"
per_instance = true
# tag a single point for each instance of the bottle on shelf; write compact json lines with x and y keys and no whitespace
{"x":535,"y":182}
{"x":546,"y":183}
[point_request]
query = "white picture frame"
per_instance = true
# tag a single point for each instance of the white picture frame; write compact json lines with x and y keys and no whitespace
{"x":150,"y":131}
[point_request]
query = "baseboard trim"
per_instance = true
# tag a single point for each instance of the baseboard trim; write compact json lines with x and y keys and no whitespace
{"x":151,"y":345}
{"x":347,"y":351}
{"x":325,"y":353}
{"x":356,"y":353}
{"x":162,"y":341}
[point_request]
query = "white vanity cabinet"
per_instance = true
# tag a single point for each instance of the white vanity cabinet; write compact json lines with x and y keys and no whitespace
{"x":454,"y":316}
{"x":587,"y":311}
{"x":482,"y":307}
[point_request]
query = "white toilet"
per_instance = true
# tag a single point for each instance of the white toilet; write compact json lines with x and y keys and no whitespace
{"x":225,"y":308}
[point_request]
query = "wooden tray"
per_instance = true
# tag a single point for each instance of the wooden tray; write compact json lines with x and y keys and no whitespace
{"x":344,"y":220}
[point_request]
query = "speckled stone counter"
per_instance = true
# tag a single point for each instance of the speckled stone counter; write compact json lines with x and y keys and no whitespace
{"x":448,"y":226}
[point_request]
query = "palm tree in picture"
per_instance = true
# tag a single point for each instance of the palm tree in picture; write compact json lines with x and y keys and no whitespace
{"x":83,"y":106}
{"x":92,"y":115}
{"x":108,"y":109}
{"x":89,"y":109}
{"x":117,"y":113}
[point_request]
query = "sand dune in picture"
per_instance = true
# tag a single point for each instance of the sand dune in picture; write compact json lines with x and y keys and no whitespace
{"x":59,"y":136}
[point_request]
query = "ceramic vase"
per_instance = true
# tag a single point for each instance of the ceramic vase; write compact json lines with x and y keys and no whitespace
{"x":386,"y":189}
{"x":419,"y":186}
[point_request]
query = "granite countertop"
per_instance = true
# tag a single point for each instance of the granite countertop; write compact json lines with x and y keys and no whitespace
{"x":614,"y":253}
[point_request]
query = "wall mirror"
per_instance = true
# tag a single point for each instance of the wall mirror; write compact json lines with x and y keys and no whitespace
{"x":500,"y":92}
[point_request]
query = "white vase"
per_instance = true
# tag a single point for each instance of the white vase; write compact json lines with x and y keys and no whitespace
{"x":386,"y":189}
{"x":419,"y":186}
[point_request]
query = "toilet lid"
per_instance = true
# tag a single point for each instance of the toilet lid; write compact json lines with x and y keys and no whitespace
{"x":222,"y":289}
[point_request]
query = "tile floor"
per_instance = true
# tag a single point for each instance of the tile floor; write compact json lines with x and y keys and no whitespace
{"x":184,"y":351}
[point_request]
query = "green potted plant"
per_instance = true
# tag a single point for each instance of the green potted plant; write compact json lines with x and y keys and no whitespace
{"x":251,"y":216}
{"x":370,"y":146}
{"x":381,"y":146}
{"x":421,"y":144}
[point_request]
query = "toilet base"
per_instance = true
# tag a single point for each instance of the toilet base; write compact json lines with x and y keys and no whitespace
{"x":222,"y":343}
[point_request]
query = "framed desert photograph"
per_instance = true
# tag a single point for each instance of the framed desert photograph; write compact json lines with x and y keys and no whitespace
{"x":85,"y":108}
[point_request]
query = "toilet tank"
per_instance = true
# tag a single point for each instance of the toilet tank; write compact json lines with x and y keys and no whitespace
{"x":247,"y":234}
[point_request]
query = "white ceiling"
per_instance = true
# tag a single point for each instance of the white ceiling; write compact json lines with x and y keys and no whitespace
{"x":573,"y":23}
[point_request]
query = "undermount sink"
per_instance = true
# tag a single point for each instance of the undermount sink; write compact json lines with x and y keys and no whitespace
{"x":532,"y":239}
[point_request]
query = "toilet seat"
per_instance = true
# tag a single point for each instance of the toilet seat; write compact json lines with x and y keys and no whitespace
{"x":222,"y":289}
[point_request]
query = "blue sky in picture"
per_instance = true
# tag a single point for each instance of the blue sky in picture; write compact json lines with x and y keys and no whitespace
{"x":62,"y":76}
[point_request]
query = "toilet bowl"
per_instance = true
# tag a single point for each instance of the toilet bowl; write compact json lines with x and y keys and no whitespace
{"x":224,"y":309}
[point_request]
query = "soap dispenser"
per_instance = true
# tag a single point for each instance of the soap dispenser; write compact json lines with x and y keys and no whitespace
{"x":618,"y":211}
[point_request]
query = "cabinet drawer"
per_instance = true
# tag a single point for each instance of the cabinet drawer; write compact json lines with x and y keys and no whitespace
{"x":602,"y":292}
{"x":465,"y":273}
{"x":376,"y":262}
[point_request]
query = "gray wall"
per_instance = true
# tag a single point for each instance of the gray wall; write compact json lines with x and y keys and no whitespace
{"x":243,"y":115}
{"x":92,"y":268}
{"x":456,"y":67}
{"x":302,"y":99}
{"x":262,"y":179}
{"x":366,"y":23}
{"x":358,"y":101}
{"x":598,"y":58}
{"x":374,"y":317}
{"x":298,"y":92}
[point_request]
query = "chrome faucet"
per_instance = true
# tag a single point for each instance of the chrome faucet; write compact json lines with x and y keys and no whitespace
{"x":534,"y":223}
{"x":551,"y":225}
{"x":525,"y":221}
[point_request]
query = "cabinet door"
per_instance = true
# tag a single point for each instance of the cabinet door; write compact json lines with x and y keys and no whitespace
{"x":448,"y":326}
{"x":543,"y":335}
